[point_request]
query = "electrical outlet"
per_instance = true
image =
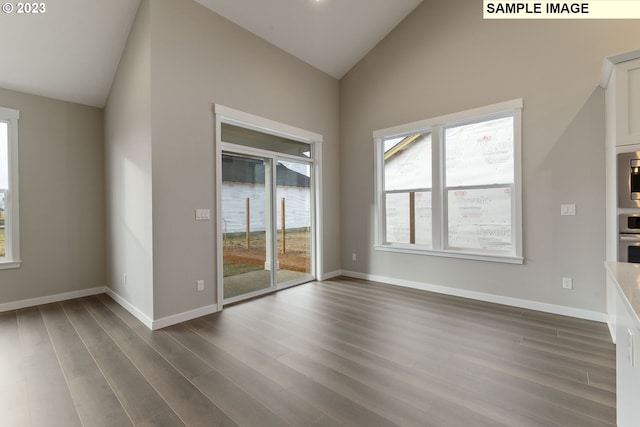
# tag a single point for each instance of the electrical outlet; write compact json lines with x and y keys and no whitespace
{"x":124,"y":279}
{"x":354,"y":257}
{"x":567,"y":283}
{"x":200,"y":285}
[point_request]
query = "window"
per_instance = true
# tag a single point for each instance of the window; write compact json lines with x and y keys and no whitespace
{"x":9,"y":242}
{"x":450,"y":186}
{"x":407,"y":189}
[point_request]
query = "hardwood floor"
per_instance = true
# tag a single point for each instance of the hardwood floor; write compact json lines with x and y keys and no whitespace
{"x":337,"y":353}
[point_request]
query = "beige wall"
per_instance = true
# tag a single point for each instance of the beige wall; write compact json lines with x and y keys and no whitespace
{"x":180,"y":60}
{"x":61,"y":178}
{"x":445,"y":58}
{"x":199,"y":59}
{"x":128,"y":171}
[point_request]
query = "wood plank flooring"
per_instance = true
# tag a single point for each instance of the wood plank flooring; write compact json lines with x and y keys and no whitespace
{"x":338,"y":353}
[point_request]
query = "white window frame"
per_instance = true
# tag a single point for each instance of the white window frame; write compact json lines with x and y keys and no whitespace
{"x":437,"y":127}
{"x":12,"y":221}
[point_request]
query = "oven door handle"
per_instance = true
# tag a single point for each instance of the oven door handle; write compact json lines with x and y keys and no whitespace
{"x":630,"y":238}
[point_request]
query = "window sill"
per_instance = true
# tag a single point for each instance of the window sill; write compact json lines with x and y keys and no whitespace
{"x":5,"y":265}
{"x":507,"y":259}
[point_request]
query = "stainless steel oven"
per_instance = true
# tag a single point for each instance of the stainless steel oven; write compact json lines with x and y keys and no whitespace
{"x":629,"y":238}
{"x":629,"y":180}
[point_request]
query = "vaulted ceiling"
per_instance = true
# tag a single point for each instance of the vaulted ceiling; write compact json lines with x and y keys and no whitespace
{"x":72,"y":50}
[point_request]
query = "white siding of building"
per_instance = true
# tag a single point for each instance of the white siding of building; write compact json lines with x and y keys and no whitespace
{"x":234,"y":196}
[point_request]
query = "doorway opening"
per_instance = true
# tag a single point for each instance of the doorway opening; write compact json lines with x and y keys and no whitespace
{"x":267,"y":204}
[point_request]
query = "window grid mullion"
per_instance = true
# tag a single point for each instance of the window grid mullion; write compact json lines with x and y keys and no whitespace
{"x":479,"y":187}
{"x":408,"y":190}
{"x":437,"y":177}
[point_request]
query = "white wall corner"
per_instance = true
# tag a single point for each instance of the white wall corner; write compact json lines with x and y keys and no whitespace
{"x":135,"y":311}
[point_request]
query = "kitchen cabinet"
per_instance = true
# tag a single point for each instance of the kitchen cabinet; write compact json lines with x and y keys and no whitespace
{"x":623,"y":87}
{"x":623,"y":285}
{"x":627,"y":367}
{"x":621,"y":80}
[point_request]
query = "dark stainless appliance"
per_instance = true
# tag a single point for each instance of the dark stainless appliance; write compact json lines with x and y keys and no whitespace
{"x":629,"y":180}
{"x":629,"y":238}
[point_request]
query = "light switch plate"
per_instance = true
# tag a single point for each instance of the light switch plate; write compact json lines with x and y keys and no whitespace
{"x":568,"y":210}
{"x":203,"y":214}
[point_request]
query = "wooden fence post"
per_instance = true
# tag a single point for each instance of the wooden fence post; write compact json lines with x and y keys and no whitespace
{"x":412,"y":217}
{"x":282,"y":205}
{"x":248,"y":219}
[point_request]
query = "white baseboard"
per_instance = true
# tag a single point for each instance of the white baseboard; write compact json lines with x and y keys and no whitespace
{"x":32,"y":302}
{"x":183,"y":317}
{"x":154,"y":324}
{"x":203,"y":311}
{"x":480,"y":296}
{"x":135,"y":311}
{"x":331,"y":275}
{"x":612,"y":330}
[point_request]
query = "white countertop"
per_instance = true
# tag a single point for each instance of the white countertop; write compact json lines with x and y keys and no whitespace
{"x":627,"y":277}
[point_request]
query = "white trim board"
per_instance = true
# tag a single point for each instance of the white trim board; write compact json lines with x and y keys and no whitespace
{"x":183,"y":317}
{"x":331,"y":275}
{"x":32,"y":302}
{"x":264,"y":125}
{"x":146,"y":320}
{"x":611,"y":61}
{"x":480,"y":296}
{"x":155,"y":324}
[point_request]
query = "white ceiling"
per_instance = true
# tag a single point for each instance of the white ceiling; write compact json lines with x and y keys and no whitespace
{"x":71,"y":51}
{"x":331,"y":35}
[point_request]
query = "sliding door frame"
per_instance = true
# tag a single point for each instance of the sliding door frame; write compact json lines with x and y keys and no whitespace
{"x":238,"y":118}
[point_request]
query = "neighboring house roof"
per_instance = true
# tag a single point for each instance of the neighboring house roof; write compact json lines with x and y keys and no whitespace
{"x":402,"y":145}
{"x":251,"y":171}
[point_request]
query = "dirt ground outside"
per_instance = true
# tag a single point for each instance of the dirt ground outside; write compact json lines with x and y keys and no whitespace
{"x":239,"y":259}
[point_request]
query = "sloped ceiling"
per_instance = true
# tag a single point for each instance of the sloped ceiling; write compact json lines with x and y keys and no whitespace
{"x":71,"y":51}
{"x":331,"y":35}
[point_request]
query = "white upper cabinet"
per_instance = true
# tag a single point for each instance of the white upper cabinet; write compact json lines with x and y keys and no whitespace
{"x":628,"y":100}
{"x":621,"y":78}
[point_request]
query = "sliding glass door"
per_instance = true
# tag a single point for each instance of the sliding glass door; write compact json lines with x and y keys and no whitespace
{"x":267,"y":222}
{"x":246,"y":207}
{"x":294,"y":220}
